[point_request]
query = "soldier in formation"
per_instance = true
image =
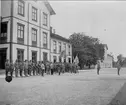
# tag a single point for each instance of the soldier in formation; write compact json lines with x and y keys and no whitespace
{"x":28,"y":68}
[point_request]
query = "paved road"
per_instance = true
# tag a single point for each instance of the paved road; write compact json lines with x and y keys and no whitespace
{"x":85,"y":88}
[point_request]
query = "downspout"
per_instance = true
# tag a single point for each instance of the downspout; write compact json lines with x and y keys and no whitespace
{"x":11,"y":31}
{"x":28,"y":36}
{"x":40,"y":40}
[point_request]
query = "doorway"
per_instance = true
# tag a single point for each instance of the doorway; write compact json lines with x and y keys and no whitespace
{"x":2,"y":57}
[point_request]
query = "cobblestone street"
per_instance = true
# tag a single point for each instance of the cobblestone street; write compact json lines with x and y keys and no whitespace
{"x":85,"y":88}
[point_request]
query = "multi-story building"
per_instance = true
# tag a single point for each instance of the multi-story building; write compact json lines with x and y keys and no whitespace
{"x":108,"y":59}
{"x":25,"y":30}
{"x":58,"y":45}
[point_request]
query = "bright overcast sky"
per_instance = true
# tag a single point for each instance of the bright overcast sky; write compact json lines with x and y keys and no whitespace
{"x":105,"y":20}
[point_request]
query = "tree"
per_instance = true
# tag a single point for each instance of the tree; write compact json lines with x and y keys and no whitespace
{"x":87,"y":48}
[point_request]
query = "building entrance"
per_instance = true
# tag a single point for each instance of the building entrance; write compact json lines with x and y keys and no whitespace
{"x":2,"y":58}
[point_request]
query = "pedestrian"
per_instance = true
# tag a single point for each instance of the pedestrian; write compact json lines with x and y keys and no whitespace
{"x":98,"y":66}
{"x":42,"y":68}
{"x":11,"y":68}
{"x":7,"y":67}
{"x":16,"y":66}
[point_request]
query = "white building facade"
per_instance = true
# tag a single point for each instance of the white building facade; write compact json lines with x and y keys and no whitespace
{"x":58,"y":45}
{"x":25,"y":32}
{"x":108,"y":59}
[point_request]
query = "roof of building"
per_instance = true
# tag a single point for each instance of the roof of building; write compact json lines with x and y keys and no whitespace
{"x":56,"y":36}
{"x":49,"y":7}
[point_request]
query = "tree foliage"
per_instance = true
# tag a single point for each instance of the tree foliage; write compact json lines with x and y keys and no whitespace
{"x":88,"y":49}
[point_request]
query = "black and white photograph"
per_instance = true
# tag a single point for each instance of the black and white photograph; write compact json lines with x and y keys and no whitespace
{"x":62,"y":52}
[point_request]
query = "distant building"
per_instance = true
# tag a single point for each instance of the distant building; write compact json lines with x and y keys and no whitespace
{"x":25,"y":30}
{"x":59,"y":44}
{"x":108,"y":59}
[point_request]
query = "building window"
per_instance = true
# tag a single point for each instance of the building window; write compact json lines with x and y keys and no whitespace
{"x":34,"y":14}
{"x":54,"y":46}
{"x":21,"y":6}
{"x":3,"y":35}
{"x":54,"y":59}
{"x":64,"y":46}
{"x":60,"y":47}
{"x":45,"y":58}
{"x":45,"y":40}
{"x":69,"y":50}
{"x":20,"y":54}
{"x":34,"y":37}
{"x":34,"y":56}
{"x":45,"y":19}
{"x":20,"y":33}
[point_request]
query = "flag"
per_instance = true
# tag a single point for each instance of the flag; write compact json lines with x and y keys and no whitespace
{"x":76,"y":60}
{"x":63,"y":53}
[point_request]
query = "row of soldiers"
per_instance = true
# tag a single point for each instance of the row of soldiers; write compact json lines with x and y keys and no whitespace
{"x":29,"y":68}
{"x":26,"y":68}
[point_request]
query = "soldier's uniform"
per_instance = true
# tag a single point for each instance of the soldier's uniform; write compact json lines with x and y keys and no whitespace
{"x":34,"y":68}
{"x":11,"y":68}
{"x":48,"y":68}
{"x":39,"y":68}
{"x":26,"y":68}
{"x":98,"y":67}
{"x":63,"y":68}
{"x":59,"y":68}
{"x":21,"y":68}
{"x":7,"y":67}
{"x":118,"y":66}
{"x":29,"y":68}
{"x":16,"y":66}
{"x":52,"y":68}
{"x":42,"y":69}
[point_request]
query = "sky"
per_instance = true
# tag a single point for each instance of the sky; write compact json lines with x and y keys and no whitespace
{"x":105,"y":20}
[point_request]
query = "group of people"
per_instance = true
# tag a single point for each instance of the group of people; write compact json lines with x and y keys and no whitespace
{"x":29,"y":68}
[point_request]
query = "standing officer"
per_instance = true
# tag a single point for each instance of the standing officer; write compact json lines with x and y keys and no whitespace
{"x":16,"y":66}
{"x":7,"y":67}
{"x":98,"y":66}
